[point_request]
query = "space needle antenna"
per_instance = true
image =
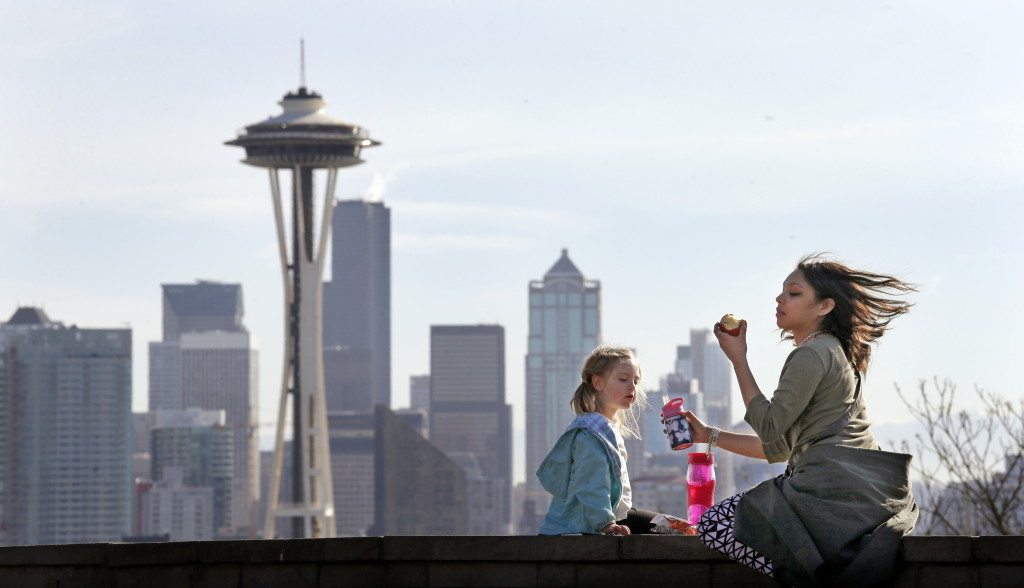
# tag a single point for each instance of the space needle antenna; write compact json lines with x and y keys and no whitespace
{"x":302,"y":62}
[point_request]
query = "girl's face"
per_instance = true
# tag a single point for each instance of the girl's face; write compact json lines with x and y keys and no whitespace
{"x":798,"y":309}
{"x":616,"y":389}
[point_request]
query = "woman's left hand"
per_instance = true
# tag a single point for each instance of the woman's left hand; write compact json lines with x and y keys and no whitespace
{"x":734,"y":346}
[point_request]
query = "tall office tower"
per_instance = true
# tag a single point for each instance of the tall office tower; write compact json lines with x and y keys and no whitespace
{"x":347,"y":378}
{"x":65,"y":417}
{"x":307,"y":142}
{"x":704,"y":360}
{"x":188,"y":308}
{"x":419,"y":490}
{"x":220,"y":372}
{"x":199,"y":446}
{"x":357,"y":307}
{"x":165,"y":375}
{"x":468,"y":413}
{"x":565,"y":326}
{"x":353,"y":462}
{"x":203,"y":306}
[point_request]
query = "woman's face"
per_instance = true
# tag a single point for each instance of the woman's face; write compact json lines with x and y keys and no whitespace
{"x":616,"y":389}
{"x":797,"y":308}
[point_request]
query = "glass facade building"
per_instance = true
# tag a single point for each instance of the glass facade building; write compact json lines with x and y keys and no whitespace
{"x":565,"y":326}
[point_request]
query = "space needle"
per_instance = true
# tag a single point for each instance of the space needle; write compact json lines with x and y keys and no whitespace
{"x":310,"y":144}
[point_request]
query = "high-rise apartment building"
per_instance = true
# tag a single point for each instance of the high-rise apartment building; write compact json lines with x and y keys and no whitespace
{"x":199,"y":447}
{"x":565,"y":326}
{"x":468,"y":413}
{"x":357,"y":307}
{"x":220,"y":372}
{"x":65,"y":432}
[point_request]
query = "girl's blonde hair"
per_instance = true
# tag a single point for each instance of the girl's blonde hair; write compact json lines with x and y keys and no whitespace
{"x":601,"y":362}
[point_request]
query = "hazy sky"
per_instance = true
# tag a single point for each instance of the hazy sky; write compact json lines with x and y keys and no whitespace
{"x":687,"y":154}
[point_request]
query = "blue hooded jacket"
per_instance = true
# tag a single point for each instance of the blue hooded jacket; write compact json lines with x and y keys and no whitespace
{"x":583,"y":472}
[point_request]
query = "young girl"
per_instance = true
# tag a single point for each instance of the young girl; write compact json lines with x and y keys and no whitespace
{"x":836,"y":517}
{"x":586,"y":469}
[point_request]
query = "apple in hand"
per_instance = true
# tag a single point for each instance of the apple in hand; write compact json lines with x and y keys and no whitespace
{"x":730,"y":324}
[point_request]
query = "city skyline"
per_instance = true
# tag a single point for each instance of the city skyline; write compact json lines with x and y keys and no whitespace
{"x":748,"y":155}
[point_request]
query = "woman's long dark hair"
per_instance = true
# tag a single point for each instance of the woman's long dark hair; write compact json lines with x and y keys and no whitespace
{"x":863,"y":306}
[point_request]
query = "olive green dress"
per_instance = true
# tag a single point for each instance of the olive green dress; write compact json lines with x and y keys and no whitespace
{"x":839,"y":512}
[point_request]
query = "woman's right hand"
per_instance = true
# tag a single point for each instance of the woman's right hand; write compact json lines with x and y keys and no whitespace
{"x":734,"y":346}
{"x":697,"y":427}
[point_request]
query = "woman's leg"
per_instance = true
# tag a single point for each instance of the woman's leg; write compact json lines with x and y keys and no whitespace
{"x":639,"y":521}
{"x":715,"y":529}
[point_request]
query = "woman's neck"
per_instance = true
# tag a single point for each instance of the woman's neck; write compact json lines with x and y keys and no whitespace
{"x":802,"y":334}
{"x":608,"y":413}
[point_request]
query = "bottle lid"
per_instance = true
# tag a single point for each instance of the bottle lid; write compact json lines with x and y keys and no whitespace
{"x":700,"y":458}
{"x":672,"y":407}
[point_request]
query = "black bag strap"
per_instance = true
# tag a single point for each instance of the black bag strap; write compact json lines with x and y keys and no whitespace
{"x":843,"y":420}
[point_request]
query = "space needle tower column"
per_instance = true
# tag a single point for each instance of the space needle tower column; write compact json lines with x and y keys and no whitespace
{"x":303,"y":140}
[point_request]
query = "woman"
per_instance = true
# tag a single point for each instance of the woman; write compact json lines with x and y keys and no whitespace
{"x":838,"y":513}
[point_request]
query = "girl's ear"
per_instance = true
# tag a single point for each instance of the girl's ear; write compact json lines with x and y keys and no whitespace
{"x":597,"y":382}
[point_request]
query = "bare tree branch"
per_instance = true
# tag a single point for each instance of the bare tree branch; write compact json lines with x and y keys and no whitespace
{"x":977,"y":483}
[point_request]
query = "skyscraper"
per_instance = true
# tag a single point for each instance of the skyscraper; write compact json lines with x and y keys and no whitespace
{"x":354,"y":462}
{"x":419,"y":392}
{"x":199,"y":307}
{"x":357,"y":307}
{"x":188,"y":308}
{"x":418,"y":489}
{"x":200,"y":448}
{"x":65,"y":423}
{"x":220,"y":372}
{"x":468,"y":414}
{"x":565,"y":326}
{"x":704,"y":360}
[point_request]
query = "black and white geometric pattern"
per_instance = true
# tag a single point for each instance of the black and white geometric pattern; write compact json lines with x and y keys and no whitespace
{"x":715,"y":530}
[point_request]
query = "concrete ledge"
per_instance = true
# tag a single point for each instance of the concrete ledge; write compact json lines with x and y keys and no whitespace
{"x":467,"y":561}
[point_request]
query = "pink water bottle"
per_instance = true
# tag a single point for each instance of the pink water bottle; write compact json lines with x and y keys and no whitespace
{"x":676,"y":427}
{"x":700,"y":484}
